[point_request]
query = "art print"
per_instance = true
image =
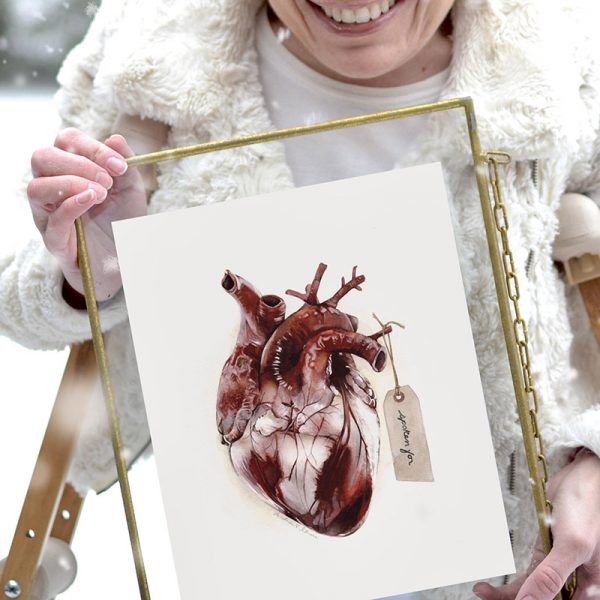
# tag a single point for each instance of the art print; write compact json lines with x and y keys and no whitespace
{"x":274,"y":394}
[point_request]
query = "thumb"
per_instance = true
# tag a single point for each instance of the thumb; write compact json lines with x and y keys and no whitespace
{"x":131,"y":178}
{"x":548,"y":578}
{"x":510,"y":590}
{"x":118,"y":143}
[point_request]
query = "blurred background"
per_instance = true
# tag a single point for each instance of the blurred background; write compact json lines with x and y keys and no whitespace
{"x":35,"y":37}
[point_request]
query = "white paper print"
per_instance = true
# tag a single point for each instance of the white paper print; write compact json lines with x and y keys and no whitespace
{"x":264,"y":380}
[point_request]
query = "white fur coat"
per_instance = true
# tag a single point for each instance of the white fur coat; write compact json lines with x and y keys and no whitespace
{"x":531,"y":67}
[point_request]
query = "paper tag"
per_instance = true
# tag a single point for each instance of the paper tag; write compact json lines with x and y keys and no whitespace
{"x":407,"y":436}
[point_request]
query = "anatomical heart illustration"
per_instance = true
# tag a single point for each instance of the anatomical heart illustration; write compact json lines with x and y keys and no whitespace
{"x":300,"y":420}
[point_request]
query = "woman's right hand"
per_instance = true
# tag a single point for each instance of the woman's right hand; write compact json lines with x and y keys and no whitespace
{"x":81,"y":177}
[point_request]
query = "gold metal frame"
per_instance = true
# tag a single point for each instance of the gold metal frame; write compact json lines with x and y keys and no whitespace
{"x":487,"y":167}
{"x":496,"y":226}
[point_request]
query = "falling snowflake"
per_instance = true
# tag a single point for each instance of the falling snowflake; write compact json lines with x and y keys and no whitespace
{"x":34,"y":74}
{"x":548,"y":519}
{"x":91,"y":9}
{"x":593,"y":591}
{"x":283,"y":33}
{"x":39,"y":16}
{"x":127,"y":454}
{"x":532,"y":481}
{"x":49,"y":49}
{"x":275,"y":104}
{"x":67,"y":5}
{"x":110,"y":264}
{"x":311,"y":118}
{"x":20,"y":80}
{"x":3,"y":43}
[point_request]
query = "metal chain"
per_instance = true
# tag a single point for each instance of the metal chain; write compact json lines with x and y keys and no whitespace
{"x":494,"y":159}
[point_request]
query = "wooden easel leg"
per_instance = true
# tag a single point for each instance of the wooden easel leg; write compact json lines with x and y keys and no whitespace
{"x":590,"y":292}
{"x":67,"y":515}
{"x":47,"y":488}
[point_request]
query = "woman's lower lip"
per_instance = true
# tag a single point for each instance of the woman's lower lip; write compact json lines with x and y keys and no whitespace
{"x":354,"y":28}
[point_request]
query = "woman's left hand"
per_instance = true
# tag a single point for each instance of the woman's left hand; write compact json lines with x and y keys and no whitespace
{"x":575,"y":495}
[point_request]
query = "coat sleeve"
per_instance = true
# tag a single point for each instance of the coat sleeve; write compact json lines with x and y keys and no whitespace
{"x":584,"y":177}
{"x":32,"y":309}
{"x":581,"y":428}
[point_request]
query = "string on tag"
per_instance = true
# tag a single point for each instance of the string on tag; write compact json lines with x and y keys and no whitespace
{"x":386,"y":330}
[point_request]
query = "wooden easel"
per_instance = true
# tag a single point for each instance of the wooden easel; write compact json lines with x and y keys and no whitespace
{"x":52,"y":507}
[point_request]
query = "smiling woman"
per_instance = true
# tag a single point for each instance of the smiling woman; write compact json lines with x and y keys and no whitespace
{"x":203,"y":79}
{"x":381,"y":44}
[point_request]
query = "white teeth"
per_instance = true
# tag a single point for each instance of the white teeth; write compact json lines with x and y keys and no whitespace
{"x":359,"y":15}
{"x":375,"y":11}
{"x":348,"y":16}
{"x":363,"y":15}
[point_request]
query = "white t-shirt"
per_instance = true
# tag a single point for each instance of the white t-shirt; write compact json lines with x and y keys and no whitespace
{"x":296,"y":94}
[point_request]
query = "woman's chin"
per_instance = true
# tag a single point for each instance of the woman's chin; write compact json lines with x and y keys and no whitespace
{"x":361,"y":69}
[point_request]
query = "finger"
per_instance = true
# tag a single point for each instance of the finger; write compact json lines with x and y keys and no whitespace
{"x":548,"y":578}
{"x":118,"y":143}
{"x":502,"y":592}
{"x":509,"y":591}
{"x":76,"y":142}
{"x":48,"y":193}
{"x":51,"y":162}
{"x":132,"y":179}
{"x":60,"y":223}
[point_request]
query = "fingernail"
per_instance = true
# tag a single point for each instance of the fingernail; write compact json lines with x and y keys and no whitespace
{"x":104,"y":179}
{"x":116,"y":165}
{"x":99,"y":191}
{"x":86,"y":197}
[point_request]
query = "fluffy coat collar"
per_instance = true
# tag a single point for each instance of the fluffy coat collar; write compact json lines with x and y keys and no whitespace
{"x":189,"y":63}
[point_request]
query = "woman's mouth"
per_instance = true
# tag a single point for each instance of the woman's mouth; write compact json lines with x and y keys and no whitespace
{"x":364,"y":14}
{"x":358,"y":20}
